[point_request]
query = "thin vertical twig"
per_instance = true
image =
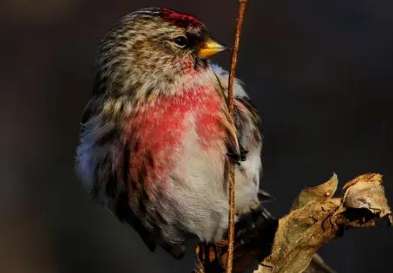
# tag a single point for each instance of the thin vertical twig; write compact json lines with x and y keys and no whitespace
{"x":235,"y":52}
{"x":231,"y":104}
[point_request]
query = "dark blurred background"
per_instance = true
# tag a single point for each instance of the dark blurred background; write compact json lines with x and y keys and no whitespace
{"x":320,"y":72}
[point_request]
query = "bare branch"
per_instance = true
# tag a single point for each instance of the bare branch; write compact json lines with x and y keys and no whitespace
{"x":231,"y":184}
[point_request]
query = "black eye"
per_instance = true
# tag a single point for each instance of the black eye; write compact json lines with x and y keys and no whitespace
{"x":181,"y":41}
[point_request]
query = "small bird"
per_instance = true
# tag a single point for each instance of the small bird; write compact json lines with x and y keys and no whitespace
{"x":157,"y":137}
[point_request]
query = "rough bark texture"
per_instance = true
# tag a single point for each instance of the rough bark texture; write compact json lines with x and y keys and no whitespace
{"x":290,"y":244}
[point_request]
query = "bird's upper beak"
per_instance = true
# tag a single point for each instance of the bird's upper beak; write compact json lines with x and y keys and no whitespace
{"x":210,"y":48}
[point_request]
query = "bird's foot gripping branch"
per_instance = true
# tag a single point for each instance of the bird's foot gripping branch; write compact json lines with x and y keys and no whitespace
{"x":317,"y":216}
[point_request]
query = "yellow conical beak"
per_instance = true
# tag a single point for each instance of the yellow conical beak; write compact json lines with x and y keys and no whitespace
{"x":210,"y":48}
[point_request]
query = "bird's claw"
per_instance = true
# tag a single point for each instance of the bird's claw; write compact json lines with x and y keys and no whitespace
{"x":264,"y":196}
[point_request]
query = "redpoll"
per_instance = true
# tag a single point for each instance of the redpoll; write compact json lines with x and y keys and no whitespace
{"x":156,"y":140}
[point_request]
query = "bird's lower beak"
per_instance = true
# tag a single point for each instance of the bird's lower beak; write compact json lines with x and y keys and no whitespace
{"x":210,"y":48}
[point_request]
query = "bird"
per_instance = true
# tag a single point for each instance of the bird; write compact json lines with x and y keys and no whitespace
{"x":157,"y":138}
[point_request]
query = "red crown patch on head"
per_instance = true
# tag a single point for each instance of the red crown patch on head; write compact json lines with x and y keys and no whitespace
{"x":180,"y":19}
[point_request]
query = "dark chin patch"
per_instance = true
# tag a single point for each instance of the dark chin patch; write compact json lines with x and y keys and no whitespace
{"x":180,"y":19}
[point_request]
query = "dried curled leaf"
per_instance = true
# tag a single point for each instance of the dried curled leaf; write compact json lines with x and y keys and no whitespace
{"x":317,"y":217}
{"x":367,"y":192}
{"x":299,"y":236}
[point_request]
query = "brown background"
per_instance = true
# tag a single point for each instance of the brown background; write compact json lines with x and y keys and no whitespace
{"x":320,"y":72}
